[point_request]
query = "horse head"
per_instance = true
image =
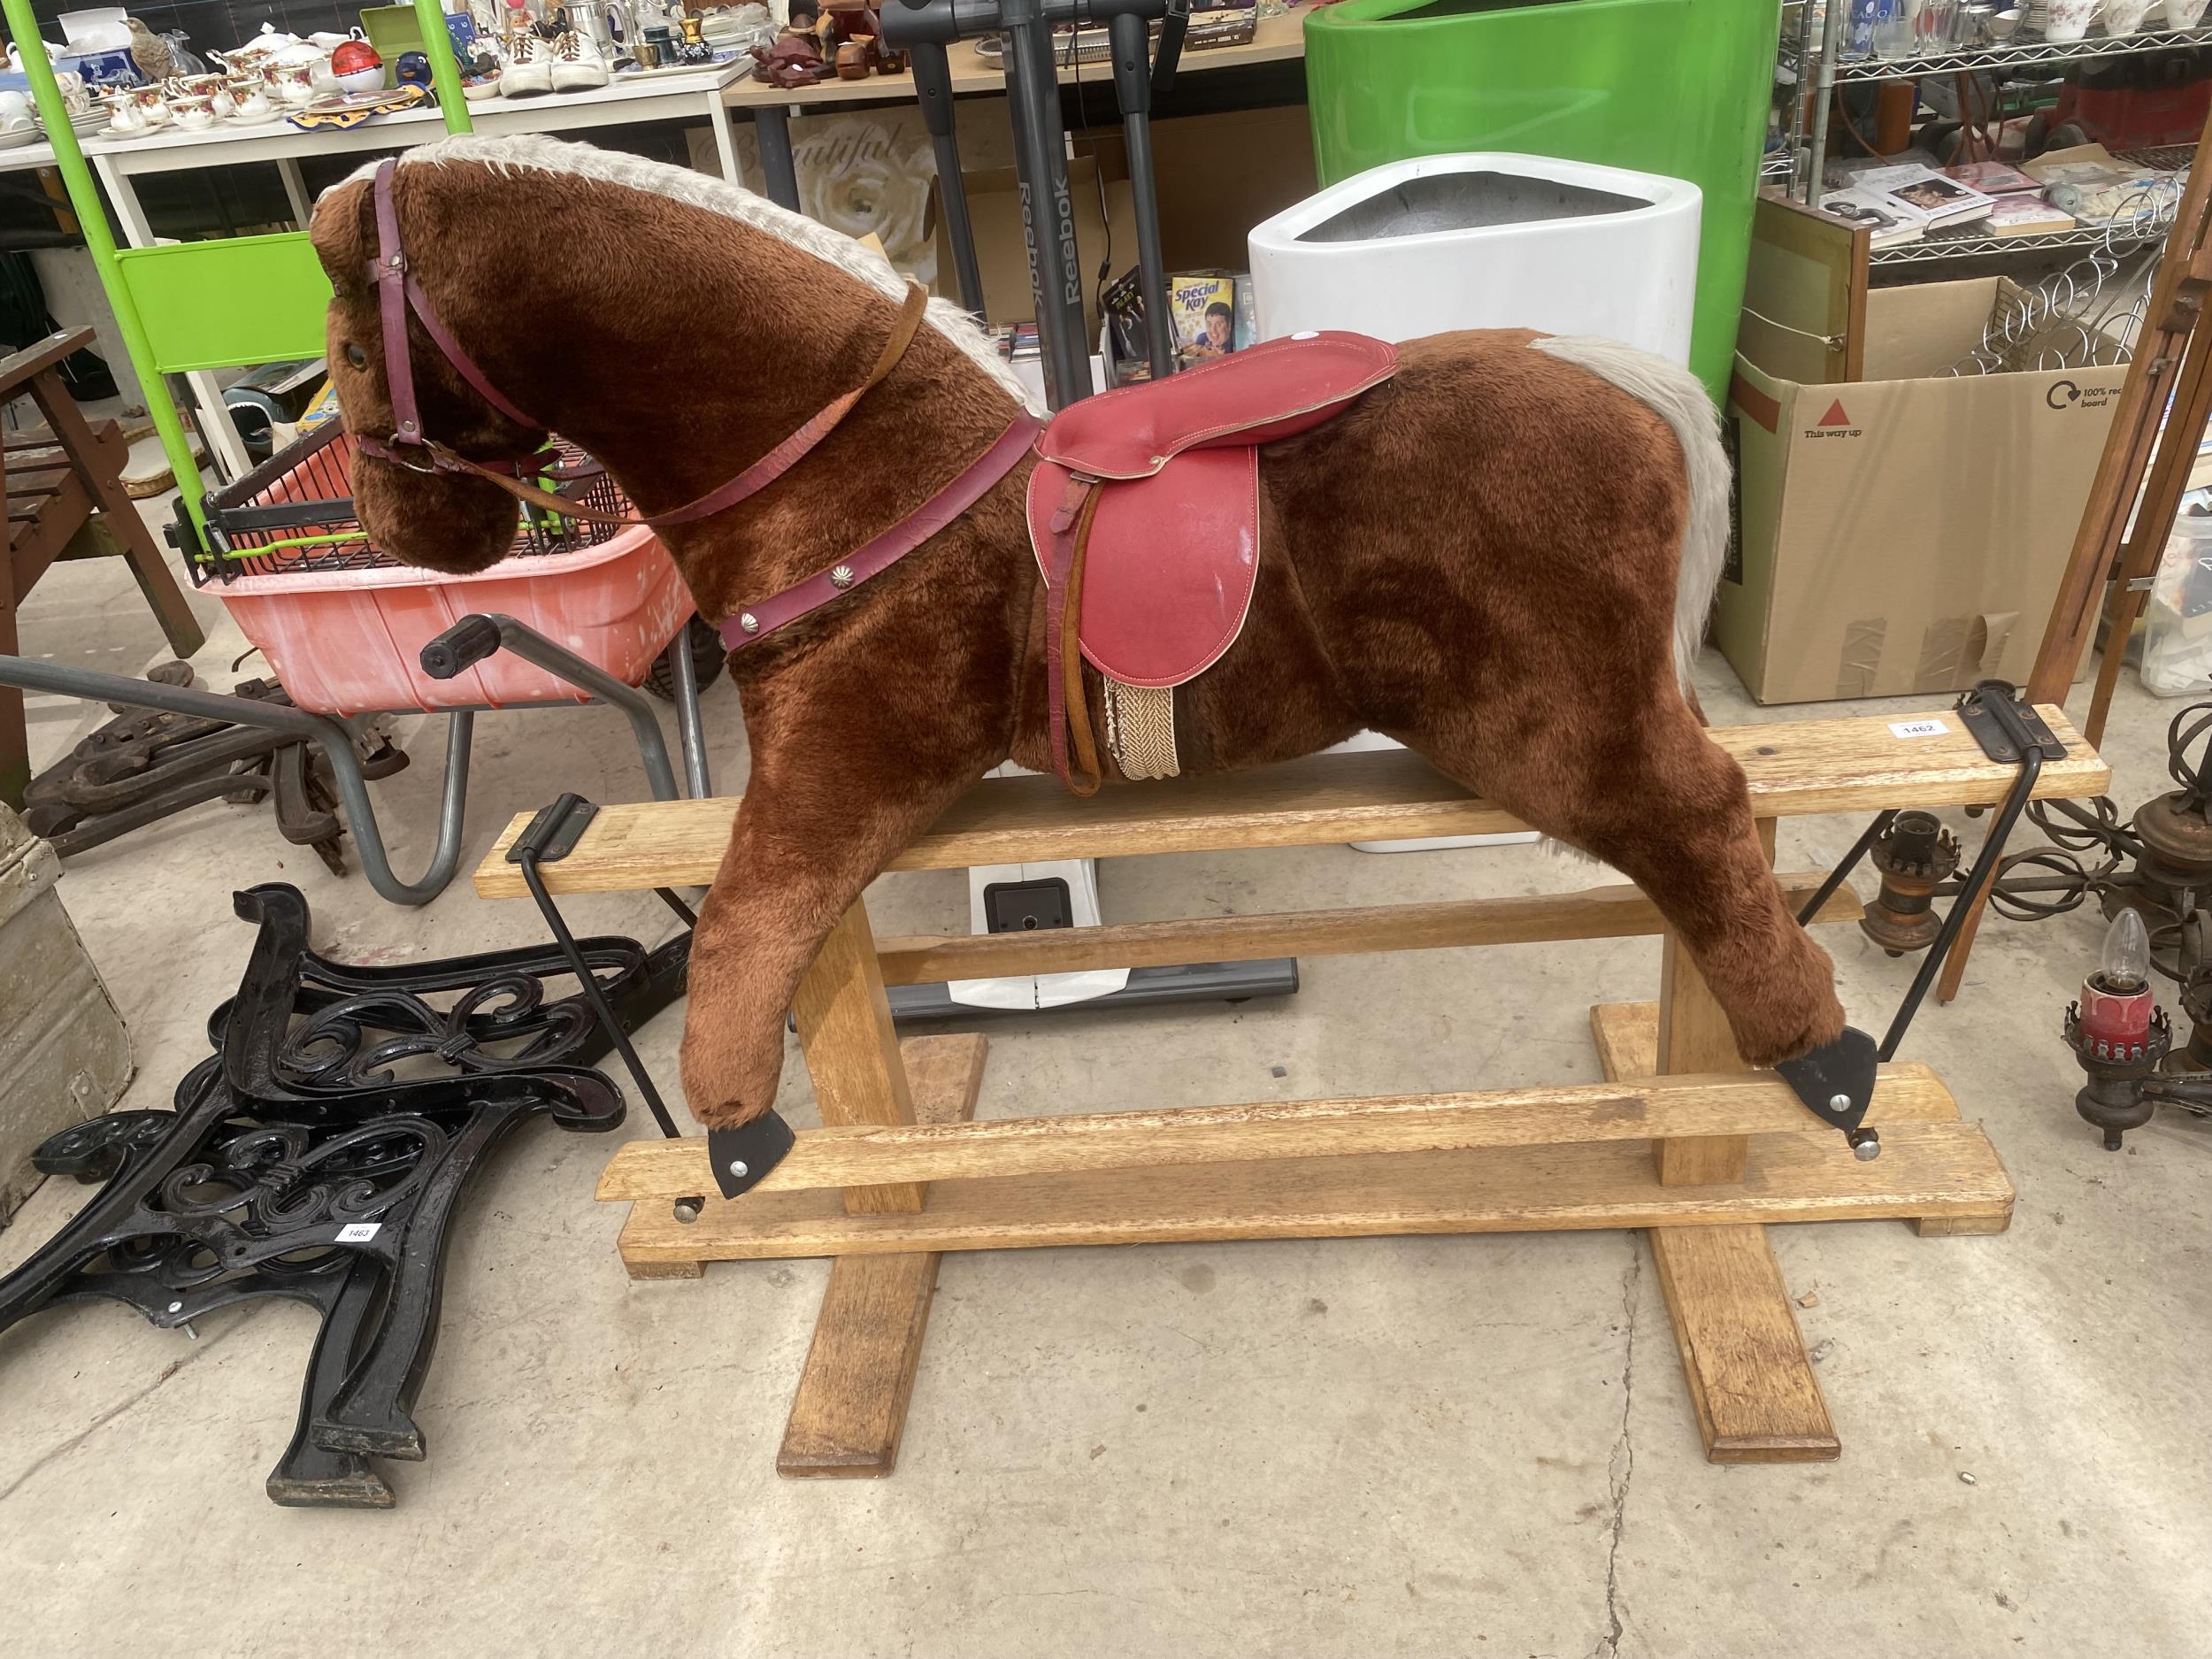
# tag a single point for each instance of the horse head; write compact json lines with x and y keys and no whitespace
{"x":413,"y":508}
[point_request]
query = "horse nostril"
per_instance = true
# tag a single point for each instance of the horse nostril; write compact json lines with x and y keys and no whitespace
{"x":356,"y":356}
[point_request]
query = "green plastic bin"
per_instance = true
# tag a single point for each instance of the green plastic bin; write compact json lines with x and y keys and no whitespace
{"x":1673,"y":87}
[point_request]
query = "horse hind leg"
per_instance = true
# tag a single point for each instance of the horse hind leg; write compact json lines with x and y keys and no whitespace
{"x":1667,"y":809}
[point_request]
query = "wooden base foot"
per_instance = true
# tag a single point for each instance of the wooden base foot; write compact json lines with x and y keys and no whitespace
{"x":663,"y":1270}
{"x":850,"y":1408}
{"x":1751,"y":1382}
{"x":1947,"y":1227}
{"x":1751,"y":1385}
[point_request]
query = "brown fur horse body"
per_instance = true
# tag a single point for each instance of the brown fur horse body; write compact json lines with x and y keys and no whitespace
{"x":1479,"y":559}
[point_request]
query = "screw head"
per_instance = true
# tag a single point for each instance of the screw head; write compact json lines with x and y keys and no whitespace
{"x":1866,"y":1151}
{"x":685,"y":1211}
{"x":1838,"y":1103}
{"x":739,"y":1169}
{"x":748,"y":621}
{"x":176,"y":1307}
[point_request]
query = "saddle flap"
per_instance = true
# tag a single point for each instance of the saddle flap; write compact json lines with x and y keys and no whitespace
{"x":1169,"y":567}
{"x":1272,"y":390}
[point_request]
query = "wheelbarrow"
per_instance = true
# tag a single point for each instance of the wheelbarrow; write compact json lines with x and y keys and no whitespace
{"x":353,"y":634}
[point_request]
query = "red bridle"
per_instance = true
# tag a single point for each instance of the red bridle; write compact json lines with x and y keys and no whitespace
{"x":398,"y":293}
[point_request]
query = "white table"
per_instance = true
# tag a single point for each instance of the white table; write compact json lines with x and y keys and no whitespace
{"x":625,"y":101}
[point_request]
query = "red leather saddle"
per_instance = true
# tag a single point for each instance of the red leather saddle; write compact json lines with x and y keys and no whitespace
{"x":1144,"y":513}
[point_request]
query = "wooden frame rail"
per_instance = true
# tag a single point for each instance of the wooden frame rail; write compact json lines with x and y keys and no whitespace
{"x":867,"y":1155}
{"x":1793,"y":768}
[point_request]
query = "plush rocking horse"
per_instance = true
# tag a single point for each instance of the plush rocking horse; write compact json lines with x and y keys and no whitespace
{"x":1495,"y":547}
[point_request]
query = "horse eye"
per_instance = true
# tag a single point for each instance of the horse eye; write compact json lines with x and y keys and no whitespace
{"x":356,"y":356}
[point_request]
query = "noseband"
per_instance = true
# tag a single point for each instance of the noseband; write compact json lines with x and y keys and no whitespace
{"x":398,"y":293}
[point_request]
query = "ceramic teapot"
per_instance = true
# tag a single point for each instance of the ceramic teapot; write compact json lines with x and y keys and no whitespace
{"x":257,"y":55}
{"x":301,"y":74}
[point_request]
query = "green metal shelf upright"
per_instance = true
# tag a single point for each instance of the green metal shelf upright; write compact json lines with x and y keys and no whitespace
{"x":228,"y":303}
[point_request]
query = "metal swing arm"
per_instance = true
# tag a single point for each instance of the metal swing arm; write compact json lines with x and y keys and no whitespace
{"x":1836,"y":1082}
{"x":332,"y":736}
{"x":467,"y":641}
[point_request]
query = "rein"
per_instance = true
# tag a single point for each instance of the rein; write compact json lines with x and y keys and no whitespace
{"x":398,"y":293}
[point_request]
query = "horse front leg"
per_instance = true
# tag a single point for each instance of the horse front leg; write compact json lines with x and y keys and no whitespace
{"x":814,"y":830}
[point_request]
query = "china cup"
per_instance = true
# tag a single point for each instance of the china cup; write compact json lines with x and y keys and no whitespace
{"x":193,"y":112}
{"x":249,"y":97}
{"x":2070,"y":20}
{"x":295,"y":83}
{"x":152,"y":110}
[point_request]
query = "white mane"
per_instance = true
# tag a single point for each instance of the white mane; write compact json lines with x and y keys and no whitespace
{"x":716,"y":196}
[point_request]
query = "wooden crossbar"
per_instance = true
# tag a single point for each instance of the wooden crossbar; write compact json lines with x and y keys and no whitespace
{"x":1618,"y":910}
{"x":866,"y":1154}
{"x":1793,"y":768}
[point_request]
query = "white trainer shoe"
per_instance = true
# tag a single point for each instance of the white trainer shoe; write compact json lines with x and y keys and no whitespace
{"x":577,"y":64}
{"x":529,"y":69}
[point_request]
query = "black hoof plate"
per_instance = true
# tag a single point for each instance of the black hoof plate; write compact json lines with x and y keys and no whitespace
{"x":1842,"y":1069}
{"x":743,"y":1156}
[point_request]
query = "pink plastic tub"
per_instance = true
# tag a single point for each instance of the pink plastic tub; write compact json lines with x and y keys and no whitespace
{"x":349,"y":641}
{"x":343,"y":624}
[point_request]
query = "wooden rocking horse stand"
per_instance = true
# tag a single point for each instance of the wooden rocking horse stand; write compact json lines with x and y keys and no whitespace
{"x":1680,"y":1140}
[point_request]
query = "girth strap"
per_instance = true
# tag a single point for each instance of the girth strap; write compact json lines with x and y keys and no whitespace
{"x":1067,"y":710}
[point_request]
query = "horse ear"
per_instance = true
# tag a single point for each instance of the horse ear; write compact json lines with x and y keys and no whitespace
{"x":343,"y":234}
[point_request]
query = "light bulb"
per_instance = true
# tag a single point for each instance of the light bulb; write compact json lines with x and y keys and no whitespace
{"x":2125,"y":963}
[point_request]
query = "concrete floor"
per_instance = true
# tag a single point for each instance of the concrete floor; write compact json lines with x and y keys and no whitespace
{"x":1469,"y":1446}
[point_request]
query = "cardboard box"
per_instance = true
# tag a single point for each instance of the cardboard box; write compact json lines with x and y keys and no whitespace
{"x":1002,"y":251}
{"x":1218,"y":175}
{"x":1905,"y":532}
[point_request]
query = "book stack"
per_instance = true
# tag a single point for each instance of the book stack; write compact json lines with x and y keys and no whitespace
{"x":2018,"y":207}
{"x":1903,"y":203}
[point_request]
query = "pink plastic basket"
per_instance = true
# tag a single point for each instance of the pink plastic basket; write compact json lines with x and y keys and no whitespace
{"x":349,"y":641}
{"x":343,"y":624}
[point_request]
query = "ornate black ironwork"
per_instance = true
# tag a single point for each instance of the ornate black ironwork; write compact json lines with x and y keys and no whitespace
{"x":321,"y":1154}
{"x":143,"y":765}
{"x":2159,"y":862}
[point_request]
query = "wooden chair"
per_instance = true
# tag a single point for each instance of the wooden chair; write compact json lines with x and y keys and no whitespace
{"x":63,"y":492}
